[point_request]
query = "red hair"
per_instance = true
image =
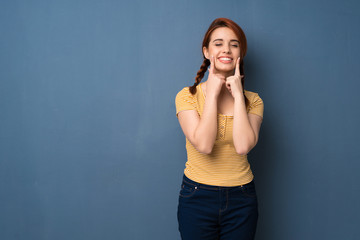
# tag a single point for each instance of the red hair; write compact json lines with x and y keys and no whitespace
{"x":217,"y":23}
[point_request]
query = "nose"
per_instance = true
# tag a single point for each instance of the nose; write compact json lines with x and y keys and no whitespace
{"x":226,"y":48}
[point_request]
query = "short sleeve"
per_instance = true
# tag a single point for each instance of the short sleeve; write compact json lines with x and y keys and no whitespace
{"x":185,"y":101}
{"x":257,"y":106}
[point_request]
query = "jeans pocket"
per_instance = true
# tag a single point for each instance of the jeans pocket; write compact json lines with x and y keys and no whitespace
{"x":187,"y":190}
{"x":248,"y":190}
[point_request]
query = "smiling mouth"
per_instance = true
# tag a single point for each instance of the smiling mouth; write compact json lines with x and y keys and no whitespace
{"x":225,"y":59}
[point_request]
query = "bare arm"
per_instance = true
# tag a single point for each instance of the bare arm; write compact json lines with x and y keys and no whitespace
{"x":246,"y":126}
{"x":201,"y":132}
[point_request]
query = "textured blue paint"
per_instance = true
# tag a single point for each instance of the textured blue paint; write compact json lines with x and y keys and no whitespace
{"x":90,"y":147}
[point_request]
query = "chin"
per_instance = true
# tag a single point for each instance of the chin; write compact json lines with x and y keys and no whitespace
{"x":226,"y":70}
{"x":225,"y":67}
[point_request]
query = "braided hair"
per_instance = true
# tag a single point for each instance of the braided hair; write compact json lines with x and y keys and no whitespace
{"x":200,"y":74}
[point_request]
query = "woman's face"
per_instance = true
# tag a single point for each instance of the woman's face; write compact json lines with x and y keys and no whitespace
{"x":225,"y":47}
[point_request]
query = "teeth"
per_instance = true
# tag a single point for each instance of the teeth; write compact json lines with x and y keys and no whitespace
{"x":226,"y":59}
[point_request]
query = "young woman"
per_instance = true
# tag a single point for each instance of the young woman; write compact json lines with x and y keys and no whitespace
{"x":221,"y":122}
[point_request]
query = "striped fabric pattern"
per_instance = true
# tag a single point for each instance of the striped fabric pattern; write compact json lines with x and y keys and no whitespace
{"x":223,"y":167}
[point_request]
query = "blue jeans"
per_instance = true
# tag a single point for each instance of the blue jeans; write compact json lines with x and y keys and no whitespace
{"x":217,"y":213}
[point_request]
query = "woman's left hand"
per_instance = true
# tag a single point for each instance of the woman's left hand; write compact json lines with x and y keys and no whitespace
{"x":233,"y":83}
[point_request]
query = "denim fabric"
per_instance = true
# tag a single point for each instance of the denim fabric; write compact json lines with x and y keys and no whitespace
{"x":208,"y":212}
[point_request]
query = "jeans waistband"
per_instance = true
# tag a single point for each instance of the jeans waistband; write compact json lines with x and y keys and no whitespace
{"x":210,"y":187}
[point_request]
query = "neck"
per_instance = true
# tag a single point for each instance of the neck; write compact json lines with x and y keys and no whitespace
{"x":225,"y":92}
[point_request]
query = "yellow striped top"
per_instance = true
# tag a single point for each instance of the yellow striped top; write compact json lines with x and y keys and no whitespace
{"x":223,"y":167}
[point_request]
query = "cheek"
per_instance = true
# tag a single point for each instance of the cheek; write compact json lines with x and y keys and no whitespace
{"x":213,"y":51}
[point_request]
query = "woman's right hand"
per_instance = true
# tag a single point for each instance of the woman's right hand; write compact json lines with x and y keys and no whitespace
{"x":214,"y":82}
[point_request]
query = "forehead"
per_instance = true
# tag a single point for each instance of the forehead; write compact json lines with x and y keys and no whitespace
{"x":223,"y":33}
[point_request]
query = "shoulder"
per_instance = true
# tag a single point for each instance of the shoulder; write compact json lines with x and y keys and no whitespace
{"x":252,"y":96}
{"x":185,"y":95}
{"x":183,"y":92}
{"x":185,"y":100}
{"x":256,"y":105}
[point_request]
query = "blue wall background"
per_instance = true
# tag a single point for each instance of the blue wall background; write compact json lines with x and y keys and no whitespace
{"x":90,"y":147}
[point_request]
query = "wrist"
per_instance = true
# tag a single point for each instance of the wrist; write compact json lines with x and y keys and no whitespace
{"x":239,"y":97}
{"x":213,"y":95}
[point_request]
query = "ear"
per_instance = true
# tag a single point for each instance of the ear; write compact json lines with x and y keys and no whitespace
{"x":206,"y":53}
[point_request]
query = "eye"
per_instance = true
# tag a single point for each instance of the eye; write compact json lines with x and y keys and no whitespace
{"x":235,"y":45}
{"x":218,"y":44}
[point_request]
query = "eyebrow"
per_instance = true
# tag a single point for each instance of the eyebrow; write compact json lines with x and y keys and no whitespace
{"x":232,"y":40}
